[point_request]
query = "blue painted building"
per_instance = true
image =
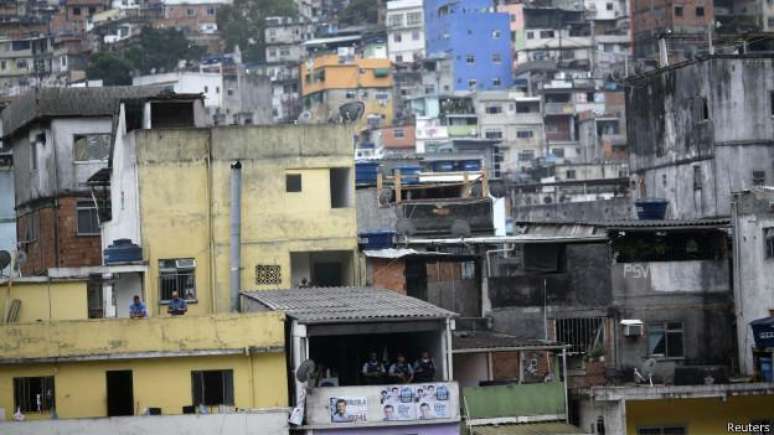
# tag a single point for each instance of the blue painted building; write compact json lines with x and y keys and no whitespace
{"x":476,"y":39}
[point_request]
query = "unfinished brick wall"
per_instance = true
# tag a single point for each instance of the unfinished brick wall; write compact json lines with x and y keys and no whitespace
{"x":58,"y":243}
{"x":389,"y":274}
{"x":505,"y":366}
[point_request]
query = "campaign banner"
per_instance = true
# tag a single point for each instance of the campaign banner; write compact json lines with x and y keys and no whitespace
{"x":349,"y":409}
{"x":415,"y":402}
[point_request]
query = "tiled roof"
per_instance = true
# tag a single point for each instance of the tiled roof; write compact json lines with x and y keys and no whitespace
{"x":64,"y":102}
{"x":346,"y":304}
{"x":472,"y":340}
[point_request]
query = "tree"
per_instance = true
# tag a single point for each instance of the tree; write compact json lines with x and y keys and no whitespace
{"x":111,"y":69}
{"x":243,"y":24}
{"x":161,"y":50}
{"x":360,"y":12}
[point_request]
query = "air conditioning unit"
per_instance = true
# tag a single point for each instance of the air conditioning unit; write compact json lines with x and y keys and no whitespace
{"x":632,"y":328}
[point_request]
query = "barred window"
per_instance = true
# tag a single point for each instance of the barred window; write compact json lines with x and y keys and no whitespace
{"x":213,"y":387}
{"x":34,"y":394}
{"x":88,"y":220}
{"x":268,"y":274}
{"x":177,"y":275}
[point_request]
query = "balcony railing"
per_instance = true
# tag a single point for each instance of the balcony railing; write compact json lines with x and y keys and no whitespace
{"x":559,"y":108}
{"x":515,"y":402}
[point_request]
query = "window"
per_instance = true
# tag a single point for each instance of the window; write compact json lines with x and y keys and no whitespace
{"x":211,"y":11}
{"x":496,"y":81}
{"x":2,"y":65}
{"x":697,"y":177}
{"x":397,"y":37}
{"x":470,"y":58}
{"x":177,"y":275}
{"x":493,"y":134}
{"x":678,"y":11}
{"x":558,"y":152}
{"x":76,"y":11}
{"x":212,"y":387}
{"x":496,"y":34}
{"x":34,"y":394}
{"x":22,"y":64}
{"x":91,"y":147}
{"x":415,"y":35}
{"x":665,"y":340}
{"x":526,"y":155}
{"x":492,"y":110}
{"x":771,"y":102}
{"x":666,"y":430}
{"x":570,"y":174}
{"x":497,"y":58}
{"x":396,"y":20}
{"x":292,"y":183}
{"x":414,"y":18}
{"x":582,"y":333}
{"x":399,"y":133}
{"x":758,"y":178}
{"x":340,"y":185}
{"x":34,"y":154}
{"x":268,"y":274}
{"x":609,"y":6}
{"x":530,"y":35}
{"x":92,"y":10}
{"x":190,"y":12}
{"x":524,"y":134}
{"x":545,"y":34}
{"x":88,"y":220}
{"x":704,"y":109}
{"x":32,"y":227}
{"x":699,"y":11}
{"x":398,"y":58}
{"x":768,"y":238}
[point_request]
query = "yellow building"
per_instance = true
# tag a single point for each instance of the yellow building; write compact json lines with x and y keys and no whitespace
{"x":329,"y":81}
{"x":678,"y":409}
{"x":67,"y":346}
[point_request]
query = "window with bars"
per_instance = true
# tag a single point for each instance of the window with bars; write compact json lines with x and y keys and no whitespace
{"x":582,"y":334}
{"x":768,"y":239}
{"x":34,"y":394}
{"x":268,"y":274}
{"x":212,"y":387}
{"x":177,"y":275}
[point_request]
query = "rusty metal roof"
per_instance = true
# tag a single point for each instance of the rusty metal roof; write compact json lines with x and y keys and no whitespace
{"x":347,"y":304}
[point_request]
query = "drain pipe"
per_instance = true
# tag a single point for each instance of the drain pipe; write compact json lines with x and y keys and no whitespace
{"x":235,"y":280}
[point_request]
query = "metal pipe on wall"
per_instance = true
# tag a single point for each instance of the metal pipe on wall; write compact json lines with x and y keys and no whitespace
{"x":235,"y":280}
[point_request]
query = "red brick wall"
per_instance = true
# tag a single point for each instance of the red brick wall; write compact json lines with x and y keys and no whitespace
{"x":177,"y":16}
{"x":505,"y":366}
{"x":61,"y":224}
{"x":388,"y":274}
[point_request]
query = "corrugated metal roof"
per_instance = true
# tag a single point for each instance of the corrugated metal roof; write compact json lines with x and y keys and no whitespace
{"x":64,"y":102}
{"x":554,"y":428}
{"x":467,"y":341}
{"x":683,"y":223}
{"x":346,"y":304}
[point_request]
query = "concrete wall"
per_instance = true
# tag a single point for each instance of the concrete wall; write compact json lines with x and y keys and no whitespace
{"x":754,"y":288}
{"x":7,"y":212}
{"x":471,"y":368}
{"x":370,"y":216}
{"x":672,"y":277}
{"x":45,"y":300}
{"x":248,"y":423}
{"x":669,"y":136}
{"x":592,"y":211}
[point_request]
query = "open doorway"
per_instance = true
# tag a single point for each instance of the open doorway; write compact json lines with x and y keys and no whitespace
{"x":120,"y":393}
{"x":322,"y":268}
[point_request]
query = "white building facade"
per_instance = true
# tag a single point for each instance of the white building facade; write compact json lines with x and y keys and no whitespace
{"x":405,"y":31}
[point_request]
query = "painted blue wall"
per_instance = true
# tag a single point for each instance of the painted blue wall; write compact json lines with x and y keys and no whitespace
{"x":462,"y":28}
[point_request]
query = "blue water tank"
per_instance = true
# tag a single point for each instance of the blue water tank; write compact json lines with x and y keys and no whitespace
{"x":366,"y":173}
{"x":443,"y":166}
{"x":767,"y":372}
{"x":470,"y":165}
{"x":122,"y":251}
{"x":409,"y":173}
{"x":651,"y":209}
{"x":377,"y":240}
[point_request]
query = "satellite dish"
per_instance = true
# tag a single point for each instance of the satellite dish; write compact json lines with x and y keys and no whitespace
{"x":648,"y":368}
{"x":305,"y":371}
{"x":21,"y":259}
{"x":5,"y":259}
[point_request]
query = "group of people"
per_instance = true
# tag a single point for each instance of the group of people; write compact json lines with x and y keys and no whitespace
{"x":177,"y":307}
{"x":399,"y":372}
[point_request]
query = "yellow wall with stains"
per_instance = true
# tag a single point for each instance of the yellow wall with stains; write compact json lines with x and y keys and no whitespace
{"x":80,"y":387}
{"x":43,"y":299}
{"x":699,"y":416}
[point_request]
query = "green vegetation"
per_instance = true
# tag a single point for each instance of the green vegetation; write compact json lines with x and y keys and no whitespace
{"x":243,"y":24}
{"x":155,"y":50}
{"x":360,"y":12}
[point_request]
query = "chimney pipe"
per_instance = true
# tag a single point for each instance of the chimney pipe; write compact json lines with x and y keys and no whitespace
{"x":235,"y":281}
